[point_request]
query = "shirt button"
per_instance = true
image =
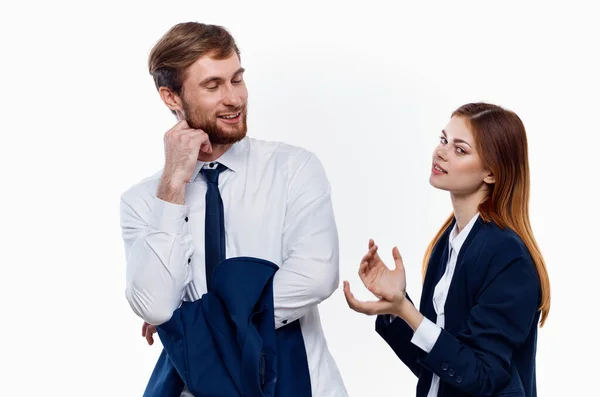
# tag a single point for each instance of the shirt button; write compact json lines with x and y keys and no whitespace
{"x":284,"y":321}
{"x":189,"y":260}
{"x":444,"y":366}
{"x":186,"y":218}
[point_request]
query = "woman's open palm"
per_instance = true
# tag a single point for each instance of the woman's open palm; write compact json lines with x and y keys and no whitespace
{"x":388,"y":285}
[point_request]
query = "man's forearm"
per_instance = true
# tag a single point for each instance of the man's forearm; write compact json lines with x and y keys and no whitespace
{"x":296,"y":293}
{"x":159,"y":252}
{"x":171,"y":192}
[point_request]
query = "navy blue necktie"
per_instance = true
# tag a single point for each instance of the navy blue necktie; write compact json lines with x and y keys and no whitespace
{"x":214,"y":224}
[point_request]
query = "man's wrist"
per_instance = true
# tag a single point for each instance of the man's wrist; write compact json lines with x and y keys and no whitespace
{"x":171,"y":191}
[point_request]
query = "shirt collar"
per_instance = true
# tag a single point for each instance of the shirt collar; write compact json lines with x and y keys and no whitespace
{"x":457,"y":239}
{"x":233,"y":158}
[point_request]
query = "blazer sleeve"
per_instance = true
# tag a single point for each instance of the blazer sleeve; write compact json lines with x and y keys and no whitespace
{"x":397,"y":335}
{"x":477,"y":361}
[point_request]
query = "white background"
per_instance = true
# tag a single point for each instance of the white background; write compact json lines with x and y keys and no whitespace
{"x":367,"y":86}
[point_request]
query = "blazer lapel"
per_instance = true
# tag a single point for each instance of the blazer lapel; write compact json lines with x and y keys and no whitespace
{"x":458,"y":295}
{"x":435,"y":269}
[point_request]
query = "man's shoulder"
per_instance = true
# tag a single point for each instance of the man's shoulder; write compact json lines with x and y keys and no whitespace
{"x":279,"y":151}
{"x":145,"y":187}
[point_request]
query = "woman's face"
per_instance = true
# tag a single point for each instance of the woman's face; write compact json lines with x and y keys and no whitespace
{"x":456,"y":165}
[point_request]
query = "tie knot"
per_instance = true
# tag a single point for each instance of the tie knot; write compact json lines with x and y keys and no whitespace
{"x":212,"y":174}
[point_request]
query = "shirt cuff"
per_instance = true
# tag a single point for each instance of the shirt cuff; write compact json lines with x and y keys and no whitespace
{"x":168,"y":217}
{"x":426,"y":335}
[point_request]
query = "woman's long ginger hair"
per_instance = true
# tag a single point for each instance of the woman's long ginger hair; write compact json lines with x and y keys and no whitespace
{"x":501,"y":142}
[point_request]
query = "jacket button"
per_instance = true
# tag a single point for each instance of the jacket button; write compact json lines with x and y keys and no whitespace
{"x":444,"y":366}
{"x":189,"y":260}
{"x":458,"y":379}
{"x":186,"y":218}
{"x":451,"y":372}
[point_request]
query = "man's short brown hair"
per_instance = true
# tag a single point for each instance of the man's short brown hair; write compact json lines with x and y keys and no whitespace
{"x":181,"y":46}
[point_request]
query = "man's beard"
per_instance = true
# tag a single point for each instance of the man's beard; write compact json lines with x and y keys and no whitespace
{"x":199,"y":120}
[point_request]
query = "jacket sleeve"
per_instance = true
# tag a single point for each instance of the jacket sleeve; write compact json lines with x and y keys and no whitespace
{"x":477,"y":361}
{"x":158,"y":249}
{"x":398,"y":335}
{"x":309,"y":273}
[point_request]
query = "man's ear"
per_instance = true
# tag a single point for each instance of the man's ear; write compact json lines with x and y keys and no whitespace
{"x":489,"y":178}
{"x":171,"y":99}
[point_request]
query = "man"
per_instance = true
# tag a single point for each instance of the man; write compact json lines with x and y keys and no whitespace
{"x":276,"y":202}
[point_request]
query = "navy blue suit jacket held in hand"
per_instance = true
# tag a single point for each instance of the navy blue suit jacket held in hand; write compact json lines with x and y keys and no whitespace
{"x":225,"y":344}
{"x":488,"y":345}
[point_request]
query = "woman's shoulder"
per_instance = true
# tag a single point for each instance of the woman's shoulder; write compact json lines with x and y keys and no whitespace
{"x":501,"y":246}
{"x":503,"y":238}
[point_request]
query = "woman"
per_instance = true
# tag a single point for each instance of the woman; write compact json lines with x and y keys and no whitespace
{"x":485,"y":283}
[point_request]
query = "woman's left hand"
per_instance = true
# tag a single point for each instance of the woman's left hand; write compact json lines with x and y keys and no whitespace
{"x":386,"y":284}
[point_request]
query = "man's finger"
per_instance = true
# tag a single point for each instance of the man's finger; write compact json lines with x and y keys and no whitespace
{"x":144,"y":327}
{"x":177,"y":129}
{"x":149,"y":338}
{"x":182,"y":125}
{"x":206,"y":147}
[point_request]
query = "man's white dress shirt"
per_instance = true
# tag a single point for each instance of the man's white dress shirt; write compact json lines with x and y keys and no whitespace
{"x":427,"y":333}
{"x":277,"y":206}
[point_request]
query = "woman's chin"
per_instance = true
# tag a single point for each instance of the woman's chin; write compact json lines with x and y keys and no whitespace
{"x":433,"y":181}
